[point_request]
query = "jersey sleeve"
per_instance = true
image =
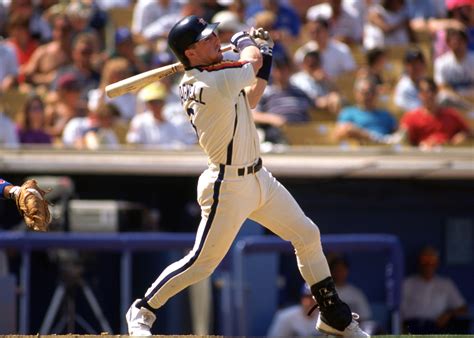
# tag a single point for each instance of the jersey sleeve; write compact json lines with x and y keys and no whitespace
{"x":3,"y":185}
{"x":232,"y":77}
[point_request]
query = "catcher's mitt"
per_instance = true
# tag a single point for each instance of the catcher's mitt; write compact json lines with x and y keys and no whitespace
{"x":33,"y":206}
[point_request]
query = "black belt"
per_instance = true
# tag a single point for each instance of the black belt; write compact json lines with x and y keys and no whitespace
{"x":251,"y":169}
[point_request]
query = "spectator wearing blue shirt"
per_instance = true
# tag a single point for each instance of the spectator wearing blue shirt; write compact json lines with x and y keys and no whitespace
{"x":287,"y":18}
{"x":365,"y":122}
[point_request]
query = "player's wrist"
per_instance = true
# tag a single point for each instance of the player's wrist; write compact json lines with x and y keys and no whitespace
{"x":242,"y":40}
{"x":5,"y":187}
{"x":265,"y":70}
{"x":13,"y":192}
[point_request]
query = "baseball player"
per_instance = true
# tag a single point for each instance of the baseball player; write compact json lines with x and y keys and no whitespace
{"x":218,"y":97}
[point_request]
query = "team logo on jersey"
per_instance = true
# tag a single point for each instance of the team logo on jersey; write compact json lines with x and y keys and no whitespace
{"x":2,"y":181}
{"x":202,"y":22}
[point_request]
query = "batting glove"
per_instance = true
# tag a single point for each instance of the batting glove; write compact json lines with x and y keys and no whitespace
{"x":263,"y":40}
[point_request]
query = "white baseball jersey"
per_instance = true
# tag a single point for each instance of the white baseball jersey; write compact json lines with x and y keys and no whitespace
{"x":216,"y":103}
{"x":235,"y":186}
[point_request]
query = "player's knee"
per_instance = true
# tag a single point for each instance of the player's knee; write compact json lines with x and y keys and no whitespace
{"x":308,"y":238}
{"x":311,"y":232}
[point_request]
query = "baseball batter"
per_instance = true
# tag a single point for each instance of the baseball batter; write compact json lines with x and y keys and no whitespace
{"x":218,"y":97}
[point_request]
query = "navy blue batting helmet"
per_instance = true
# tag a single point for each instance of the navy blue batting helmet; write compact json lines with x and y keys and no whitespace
{"x":187,"y":31}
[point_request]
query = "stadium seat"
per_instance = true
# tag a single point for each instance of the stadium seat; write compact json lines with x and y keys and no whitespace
{"x":12,"y":102}
{"x":121,"y":16}
{"x":311,"y":133}
{"x":345,"y":85}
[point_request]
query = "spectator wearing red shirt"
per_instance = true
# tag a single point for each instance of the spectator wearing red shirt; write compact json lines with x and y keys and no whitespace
{"x":431,"y":124}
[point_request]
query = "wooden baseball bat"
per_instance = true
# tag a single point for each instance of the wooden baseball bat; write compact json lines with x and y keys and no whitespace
{"x":141,"y":80}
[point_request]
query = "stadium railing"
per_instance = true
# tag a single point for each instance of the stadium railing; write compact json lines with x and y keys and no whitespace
{"x":128,"y":243}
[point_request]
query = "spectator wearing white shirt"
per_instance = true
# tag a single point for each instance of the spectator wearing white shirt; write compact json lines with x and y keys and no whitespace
{"x":431,"y":304}
{"x":151,"y":128}
{"x":336,"y":56}
{"x":343,"y":22}
{"x":406,"y":91}
{"x":314,"y":82}
{"x":93,"y":131}
{"x":454,"y":70}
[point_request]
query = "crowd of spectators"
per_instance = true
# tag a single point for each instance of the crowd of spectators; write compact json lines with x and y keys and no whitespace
{"x":363,"y":67}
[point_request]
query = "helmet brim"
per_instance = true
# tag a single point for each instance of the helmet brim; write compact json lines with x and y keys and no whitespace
{"x":211,"y":27}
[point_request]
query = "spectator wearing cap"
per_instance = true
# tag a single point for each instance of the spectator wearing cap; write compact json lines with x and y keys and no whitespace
{"x":313,"y":80}
{"x":336,"y":56}
{"x":93,"y":131}
{"x":432,"y":125}
{"x":454,"y":70}
{"x":151,"y":128}
{"x":42,"y":68}
{"x":84,"y":49}
{"x":387,"y":25}
{"x":294,"y":321}
{"x":286,"y":18}
{"x":281,"y":102}
{"x":406,"y":91}
{"x":64,"y":104}
{"x":343,"y":23}
{"x":364,"y":122}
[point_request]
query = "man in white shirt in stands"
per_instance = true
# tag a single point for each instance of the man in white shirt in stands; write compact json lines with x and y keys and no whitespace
{"x":336,"y":56}
{"x":454,"y":70}
{"x":151,"y":127}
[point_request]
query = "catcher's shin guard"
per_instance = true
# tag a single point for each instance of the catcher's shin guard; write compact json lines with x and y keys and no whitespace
{"x":333,"y":311}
